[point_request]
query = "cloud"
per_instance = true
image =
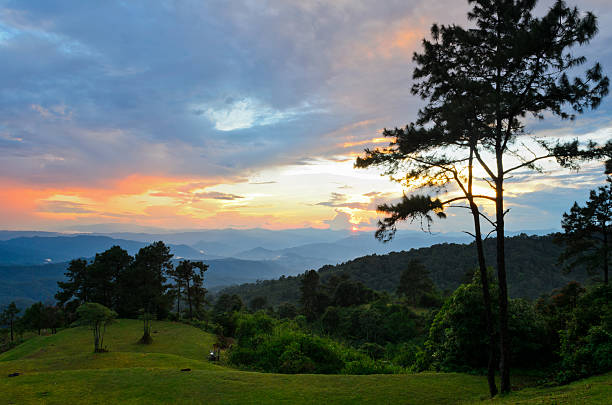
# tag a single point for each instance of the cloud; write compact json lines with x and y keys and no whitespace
{"x":63,"y":207}
{"x":215,"y":195}
{"x":247,"y":113}
{"x":59,"y":111}
{"x":340,"y":221}
{"x":335,"y":200}
{"x":193,"y":192}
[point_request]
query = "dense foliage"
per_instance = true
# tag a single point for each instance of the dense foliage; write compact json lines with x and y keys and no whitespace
{"x":456,"y":338}
{"x":266,"y":344}
{"x":586,"y":341}
{"x":135,"y":286}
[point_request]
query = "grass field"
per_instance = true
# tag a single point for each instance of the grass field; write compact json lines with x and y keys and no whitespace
{"x":61,"y":369}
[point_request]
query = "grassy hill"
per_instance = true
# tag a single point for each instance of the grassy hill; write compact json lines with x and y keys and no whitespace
{"x":62,"y":369}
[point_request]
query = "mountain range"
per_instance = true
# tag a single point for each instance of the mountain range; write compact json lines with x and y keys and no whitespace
{"x":31,"y":262}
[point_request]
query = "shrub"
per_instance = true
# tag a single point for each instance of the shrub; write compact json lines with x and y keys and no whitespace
{"x":266,"y":344}
{"x":293,"y":361}
{"x":373,"y":350}
{"x":366,"y":365}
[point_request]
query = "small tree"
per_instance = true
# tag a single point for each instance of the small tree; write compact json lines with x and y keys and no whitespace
{"x":97,"y":317}
{"x":588,"y":232}
{"x":8,"y":317}
{"x":146,"y":317}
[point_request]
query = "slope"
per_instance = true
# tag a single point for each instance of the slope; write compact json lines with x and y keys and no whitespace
{"x":62,"y":369}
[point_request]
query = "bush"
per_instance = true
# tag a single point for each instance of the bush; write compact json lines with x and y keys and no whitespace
{"x":404,"y":355}
{"x":366,"y":365}
{"x":293,"y":361}
{"x":265,"y":344}
{"x":373,"y":350}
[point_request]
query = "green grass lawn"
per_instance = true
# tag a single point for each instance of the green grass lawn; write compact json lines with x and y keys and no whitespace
{"x":61,"y":369}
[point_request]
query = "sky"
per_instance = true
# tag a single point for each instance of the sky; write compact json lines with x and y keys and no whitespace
{"x":216,"y":114}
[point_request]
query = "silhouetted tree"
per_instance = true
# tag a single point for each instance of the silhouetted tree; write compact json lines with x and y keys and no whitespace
{"x":287,"y":310}
{"x":588,"y":232}
{"x":349,"y":293}
{"x":142,"y":286}
{"x":77,"y":286}
{"x":223,"y":312}
{"x":484,"y":81}
{"x":189,"y":278}
{"x":95,"y":281}
{"x":103,"y":273}
{"x":228,"y":303}
{"x":53,"y":317}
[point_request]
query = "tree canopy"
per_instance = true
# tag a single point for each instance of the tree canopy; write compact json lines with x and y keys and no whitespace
{"x":588,"y":232}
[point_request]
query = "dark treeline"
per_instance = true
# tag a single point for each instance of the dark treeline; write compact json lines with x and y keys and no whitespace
{"x":133,"y":285}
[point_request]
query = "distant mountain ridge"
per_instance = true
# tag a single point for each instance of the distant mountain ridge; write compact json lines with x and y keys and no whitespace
{"x":531,"y":265}
{"x":238,"y":256}
{"x":52,"y":249}
{"x":26,"y":284}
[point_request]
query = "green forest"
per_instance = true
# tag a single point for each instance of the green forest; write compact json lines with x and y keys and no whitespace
{"x":533,"y":268}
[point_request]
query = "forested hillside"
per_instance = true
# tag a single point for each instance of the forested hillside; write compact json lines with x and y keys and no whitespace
{"x":531,"y":260}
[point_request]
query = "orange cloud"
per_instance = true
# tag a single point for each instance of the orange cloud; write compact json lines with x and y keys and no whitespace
{"x":366,"y":142}
{"x":124,"y":200}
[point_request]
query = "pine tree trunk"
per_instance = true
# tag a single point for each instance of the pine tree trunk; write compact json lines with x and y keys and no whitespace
{"x":189,"y":299}
{"x":504,"y":335}
{"x":486,"y":295}
{"x":605,"y":254}
{"x":178,"y":300}
{"x":96,"y":338}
